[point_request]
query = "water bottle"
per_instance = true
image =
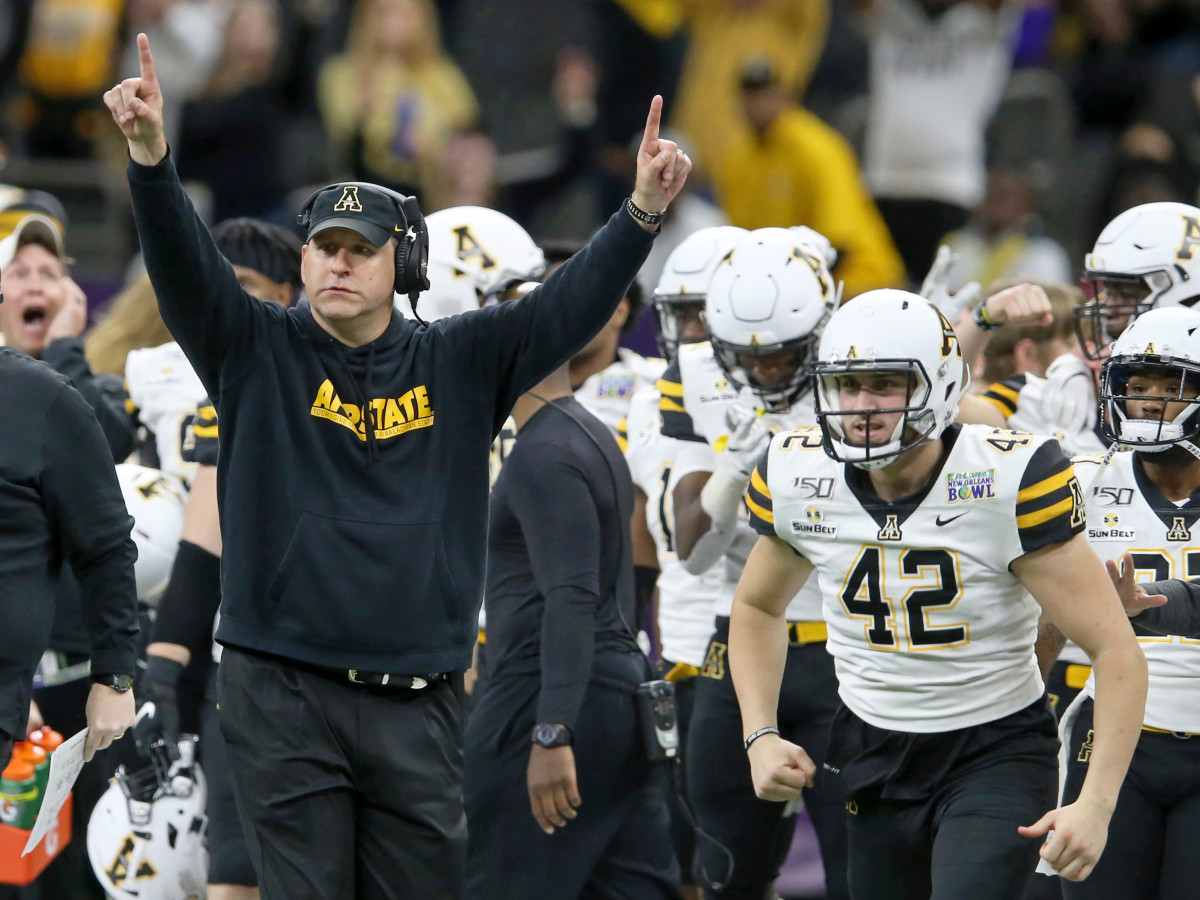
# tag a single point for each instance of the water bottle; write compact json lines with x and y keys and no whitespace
{"x":18,"y":795}
{"x":40,"y":760}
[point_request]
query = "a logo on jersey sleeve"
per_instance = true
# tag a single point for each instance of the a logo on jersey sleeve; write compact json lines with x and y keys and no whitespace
{"x":963,"y":487}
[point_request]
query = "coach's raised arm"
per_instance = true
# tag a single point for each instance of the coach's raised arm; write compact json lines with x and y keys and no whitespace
{"x":353,"y":488}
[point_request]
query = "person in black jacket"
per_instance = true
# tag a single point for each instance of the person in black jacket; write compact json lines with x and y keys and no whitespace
{"x":353,"y":483}
{"x":553,"y":745}
{"x":60,"y":502}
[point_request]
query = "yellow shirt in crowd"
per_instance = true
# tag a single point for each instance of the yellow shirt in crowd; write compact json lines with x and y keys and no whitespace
{"x":803,"y":172}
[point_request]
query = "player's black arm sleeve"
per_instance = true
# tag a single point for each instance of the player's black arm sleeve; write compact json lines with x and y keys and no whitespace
{"x":84,"y":502}
{"x":201,"y":302}
{"x":517,"y":344}
{"x":551,"y":497}
{"x":1179,"y":615}
{"x":191,"y":599}
{"x":66,"y":357}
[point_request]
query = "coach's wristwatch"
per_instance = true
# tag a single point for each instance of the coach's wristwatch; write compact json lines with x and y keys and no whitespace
{"x":650,"y":218}
{"x":548,"y":735}
{"x":119,"y":683}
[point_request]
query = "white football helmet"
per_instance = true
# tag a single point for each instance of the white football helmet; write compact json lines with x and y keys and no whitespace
{"x":475,"y":254}
{"x":1146,"y":258}
{"x":685,"y":277}
{"x":145,"y":838}
{"x":157,"y":502}
{"x":769,"y":295}
{"x":887,"y":331}
{"x":1161,"y":344}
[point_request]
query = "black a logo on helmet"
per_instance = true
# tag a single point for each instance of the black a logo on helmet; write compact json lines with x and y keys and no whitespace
{"x":349,"y":201}
{"x":1191,"y":238}
{"x":118,"y":873}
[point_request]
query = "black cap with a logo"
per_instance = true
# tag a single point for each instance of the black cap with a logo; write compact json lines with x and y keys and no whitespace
{"x":362,"y":208}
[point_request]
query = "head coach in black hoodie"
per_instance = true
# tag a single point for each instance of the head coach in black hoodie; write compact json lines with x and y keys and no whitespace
{"x":353,"y":483}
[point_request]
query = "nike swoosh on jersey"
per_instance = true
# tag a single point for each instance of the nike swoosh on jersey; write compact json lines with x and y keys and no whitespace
{"x":940,"y":521}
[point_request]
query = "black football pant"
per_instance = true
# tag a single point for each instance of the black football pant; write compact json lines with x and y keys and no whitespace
{"x":344,"y":791}
{"x":1155,"y":828}
{"x":960,"y":844}
{"x":721,"y":792}
{"x":618,"y":848}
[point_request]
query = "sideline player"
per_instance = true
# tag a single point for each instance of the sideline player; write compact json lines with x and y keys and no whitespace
{"x":721,"y":401}
{"x":945,"y":746}
{"x":1146,"y":503}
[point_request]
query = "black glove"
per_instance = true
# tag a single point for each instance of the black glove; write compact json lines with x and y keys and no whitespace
{"x":158,"y":715}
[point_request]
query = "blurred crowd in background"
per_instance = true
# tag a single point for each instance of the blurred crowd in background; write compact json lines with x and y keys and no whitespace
{"x":1019,"y":128}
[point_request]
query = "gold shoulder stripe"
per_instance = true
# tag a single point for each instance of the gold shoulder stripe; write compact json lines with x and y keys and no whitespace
{"x":1005,"y":408}
{"x":669,"y":388}
{"x":756,"y":481}
{"x":1003,"y":390}
{"x":1029,"y":520}
{"x":666,"y":404}
{"x":207,"y":431}
{"x":763,"y":513}
{"x":1046,"y":485}
{"x":207,"y":412}
{"x":130,"y":406}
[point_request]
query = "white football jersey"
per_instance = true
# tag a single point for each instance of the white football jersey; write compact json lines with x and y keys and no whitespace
{"x":1128,"y":513}
{"x":607,"y":394}
{"x":929,"y":628}
{"x":166,"y":392}
{"x":696,"y":397}
{"x":685,"y":601}
{"x":1063,"y":408}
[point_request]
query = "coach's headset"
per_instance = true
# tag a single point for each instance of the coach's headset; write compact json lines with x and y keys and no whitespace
{"x":412,"y":256}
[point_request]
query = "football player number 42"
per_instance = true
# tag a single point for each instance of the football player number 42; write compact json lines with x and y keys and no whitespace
{"x":864,"y":597}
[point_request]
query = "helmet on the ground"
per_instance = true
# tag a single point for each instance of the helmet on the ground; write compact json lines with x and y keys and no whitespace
{"x":145,"y":838}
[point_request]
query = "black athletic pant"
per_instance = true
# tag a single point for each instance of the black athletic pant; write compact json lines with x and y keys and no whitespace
{"x":344,"y":791}
{"x":720,"y":789}
{"x":228,"y":856}
{"x":917,"y":227}
{"x":618,"y":848}
{"x":1153,"y":834}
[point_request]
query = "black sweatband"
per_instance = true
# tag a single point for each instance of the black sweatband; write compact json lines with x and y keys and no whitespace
{"x":193,"y":595}
{"x":770,"y":729}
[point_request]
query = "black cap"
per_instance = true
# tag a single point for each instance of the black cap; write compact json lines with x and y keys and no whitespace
{"x":360,"y":207}
{"x":757,"y":73}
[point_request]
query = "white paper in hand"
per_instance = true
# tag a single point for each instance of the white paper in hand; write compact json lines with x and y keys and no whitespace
{"x":65,"y":763}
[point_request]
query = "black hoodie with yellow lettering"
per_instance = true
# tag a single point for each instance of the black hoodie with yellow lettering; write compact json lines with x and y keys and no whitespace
{"x":348,"y":544}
